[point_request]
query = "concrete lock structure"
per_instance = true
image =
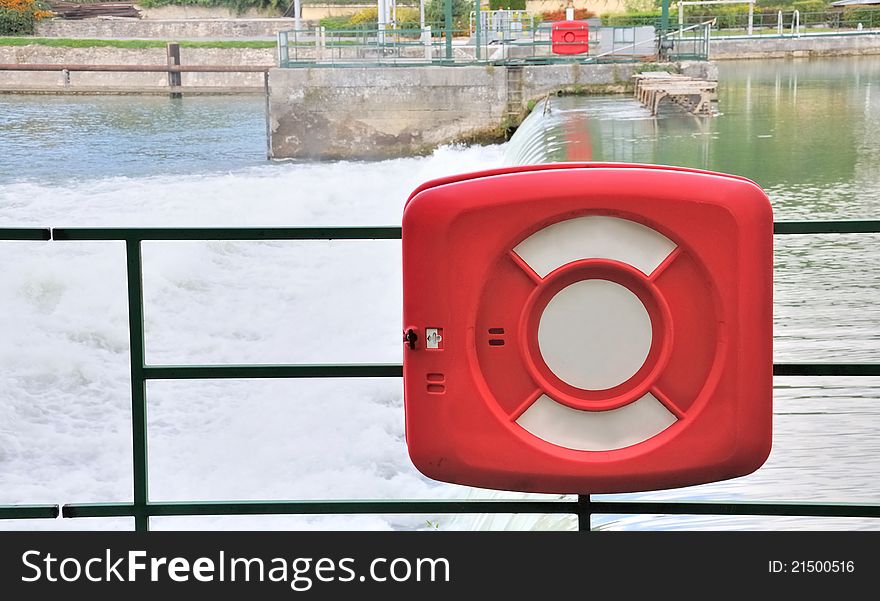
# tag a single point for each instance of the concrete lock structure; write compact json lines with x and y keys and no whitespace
{"x":374,"y":112}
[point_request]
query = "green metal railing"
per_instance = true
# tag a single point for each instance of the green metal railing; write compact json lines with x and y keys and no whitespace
{"x":790,"y":22}
{"x":433,"y":46}
{"x":584,"y":507}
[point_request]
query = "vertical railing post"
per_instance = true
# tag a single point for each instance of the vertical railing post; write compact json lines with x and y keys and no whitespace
{"x":584,"y":513}
{"x":751,"y":16}
{"x":138,"y":383}
{"x":477,"y":29}
{"x":447,"y":16}
{"x":174,"y":77}
{"x":663,"y":50}
{"x":428,"y":42}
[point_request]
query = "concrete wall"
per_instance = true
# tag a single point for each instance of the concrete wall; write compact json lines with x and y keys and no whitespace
{"x":379,"y":112}
{"x":129,"y":82}
{"x":201,"y":12}
{"x":722,"y":49}
{"x":179,"y":29}
{"x":368,"y":113}
{"x":309,"y":11}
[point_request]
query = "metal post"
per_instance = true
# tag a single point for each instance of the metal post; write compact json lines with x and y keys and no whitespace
{"x":284,"y":48}
{"x":297,"y":14}
{"x":663,"y":50}
{"x":664,"y":16}
{"x":584,"y":513}
{"x":751,"y":16}
{"x":779,"y":23}
{"x":448,"y":18}
{"x":707,"y":38}
{"x":381,"y":22}
{"x":477,"y":27}
{"x":422,"y":14}
{"x":174,"y":79}
{"x":138,"y":384}
{"x":426,"y":39}
{"x":279,"y":41}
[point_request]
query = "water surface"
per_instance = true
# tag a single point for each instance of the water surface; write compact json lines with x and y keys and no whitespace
{"x":807,"y":131}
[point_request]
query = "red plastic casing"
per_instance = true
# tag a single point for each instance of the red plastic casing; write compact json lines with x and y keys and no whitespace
{"x":711,"y":305}
{"x":570,"y":37}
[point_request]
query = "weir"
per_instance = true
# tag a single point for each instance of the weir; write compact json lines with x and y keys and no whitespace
{"x":370,"y":113}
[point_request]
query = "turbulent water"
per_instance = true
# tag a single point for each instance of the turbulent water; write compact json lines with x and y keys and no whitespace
{"x":806,"y":131}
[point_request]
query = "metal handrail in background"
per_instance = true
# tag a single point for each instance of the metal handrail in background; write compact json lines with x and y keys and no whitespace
{"x":584,"y":507}
{"x":425,"y":47}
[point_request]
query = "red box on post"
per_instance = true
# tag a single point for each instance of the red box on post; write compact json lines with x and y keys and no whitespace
{"x":570,"y":37}
{"x":588,"y":328}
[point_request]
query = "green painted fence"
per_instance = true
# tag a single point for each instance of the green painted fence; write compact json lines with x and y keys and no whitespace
{"x":142,"y":509}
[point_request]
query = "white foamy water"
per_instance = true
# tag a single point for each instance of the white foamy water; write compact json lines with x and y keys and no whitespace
{"x":64,"y":387}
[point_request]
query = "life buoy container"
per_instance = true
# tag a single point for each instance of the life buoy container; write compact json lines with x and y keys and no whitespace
{"x":588,"y":328}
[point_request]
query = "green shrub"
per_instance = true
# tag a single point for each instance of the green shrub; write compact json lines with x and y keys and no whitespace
{"x":435,"y":13}
{"x":810,"y":6}
{"x":631,"y":19}
{"x":367,"y":19}
{"x":868,"y":17}
{"x":335,"y":23}
{"x":507,"y":4}
{"x":408,"y":18}
{"x":13,"y":22}
{"x":19,"y":17}
{"x":641,"y":6}
{"x":365,"y":15}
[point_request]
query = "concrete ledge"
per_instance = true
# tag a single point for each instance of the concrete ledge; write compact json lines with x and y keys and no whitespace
{"x":131,"y":91}
{"x":169,"y":29}
{"x":795,"y":47}
{"x":79,"y":82}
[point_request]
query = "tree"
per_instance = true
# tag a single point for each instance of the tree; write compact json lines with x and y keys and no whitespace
{"x":435,"y":13}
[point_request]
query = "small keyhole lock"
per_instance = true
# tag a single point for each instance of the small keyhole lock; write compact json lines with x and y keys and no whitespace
{"x":410,"y":337}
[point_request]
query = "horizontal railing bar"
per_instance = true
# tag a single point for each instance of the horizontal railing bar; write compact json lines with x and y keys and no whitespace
{"x":826,"y":369}
{"x":827,"y":227}
{"x":350,"y":232}
{"x":230,"y":233}
{"x":25,"y":233}
{"x":244,"y":372}
{"x":317,"y":508}
{"x":180,"y":509}
{"x":28,"y":512}
{"x":371,"y":232}
{"x":765,"y":508}
{"x":395,"y":370}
